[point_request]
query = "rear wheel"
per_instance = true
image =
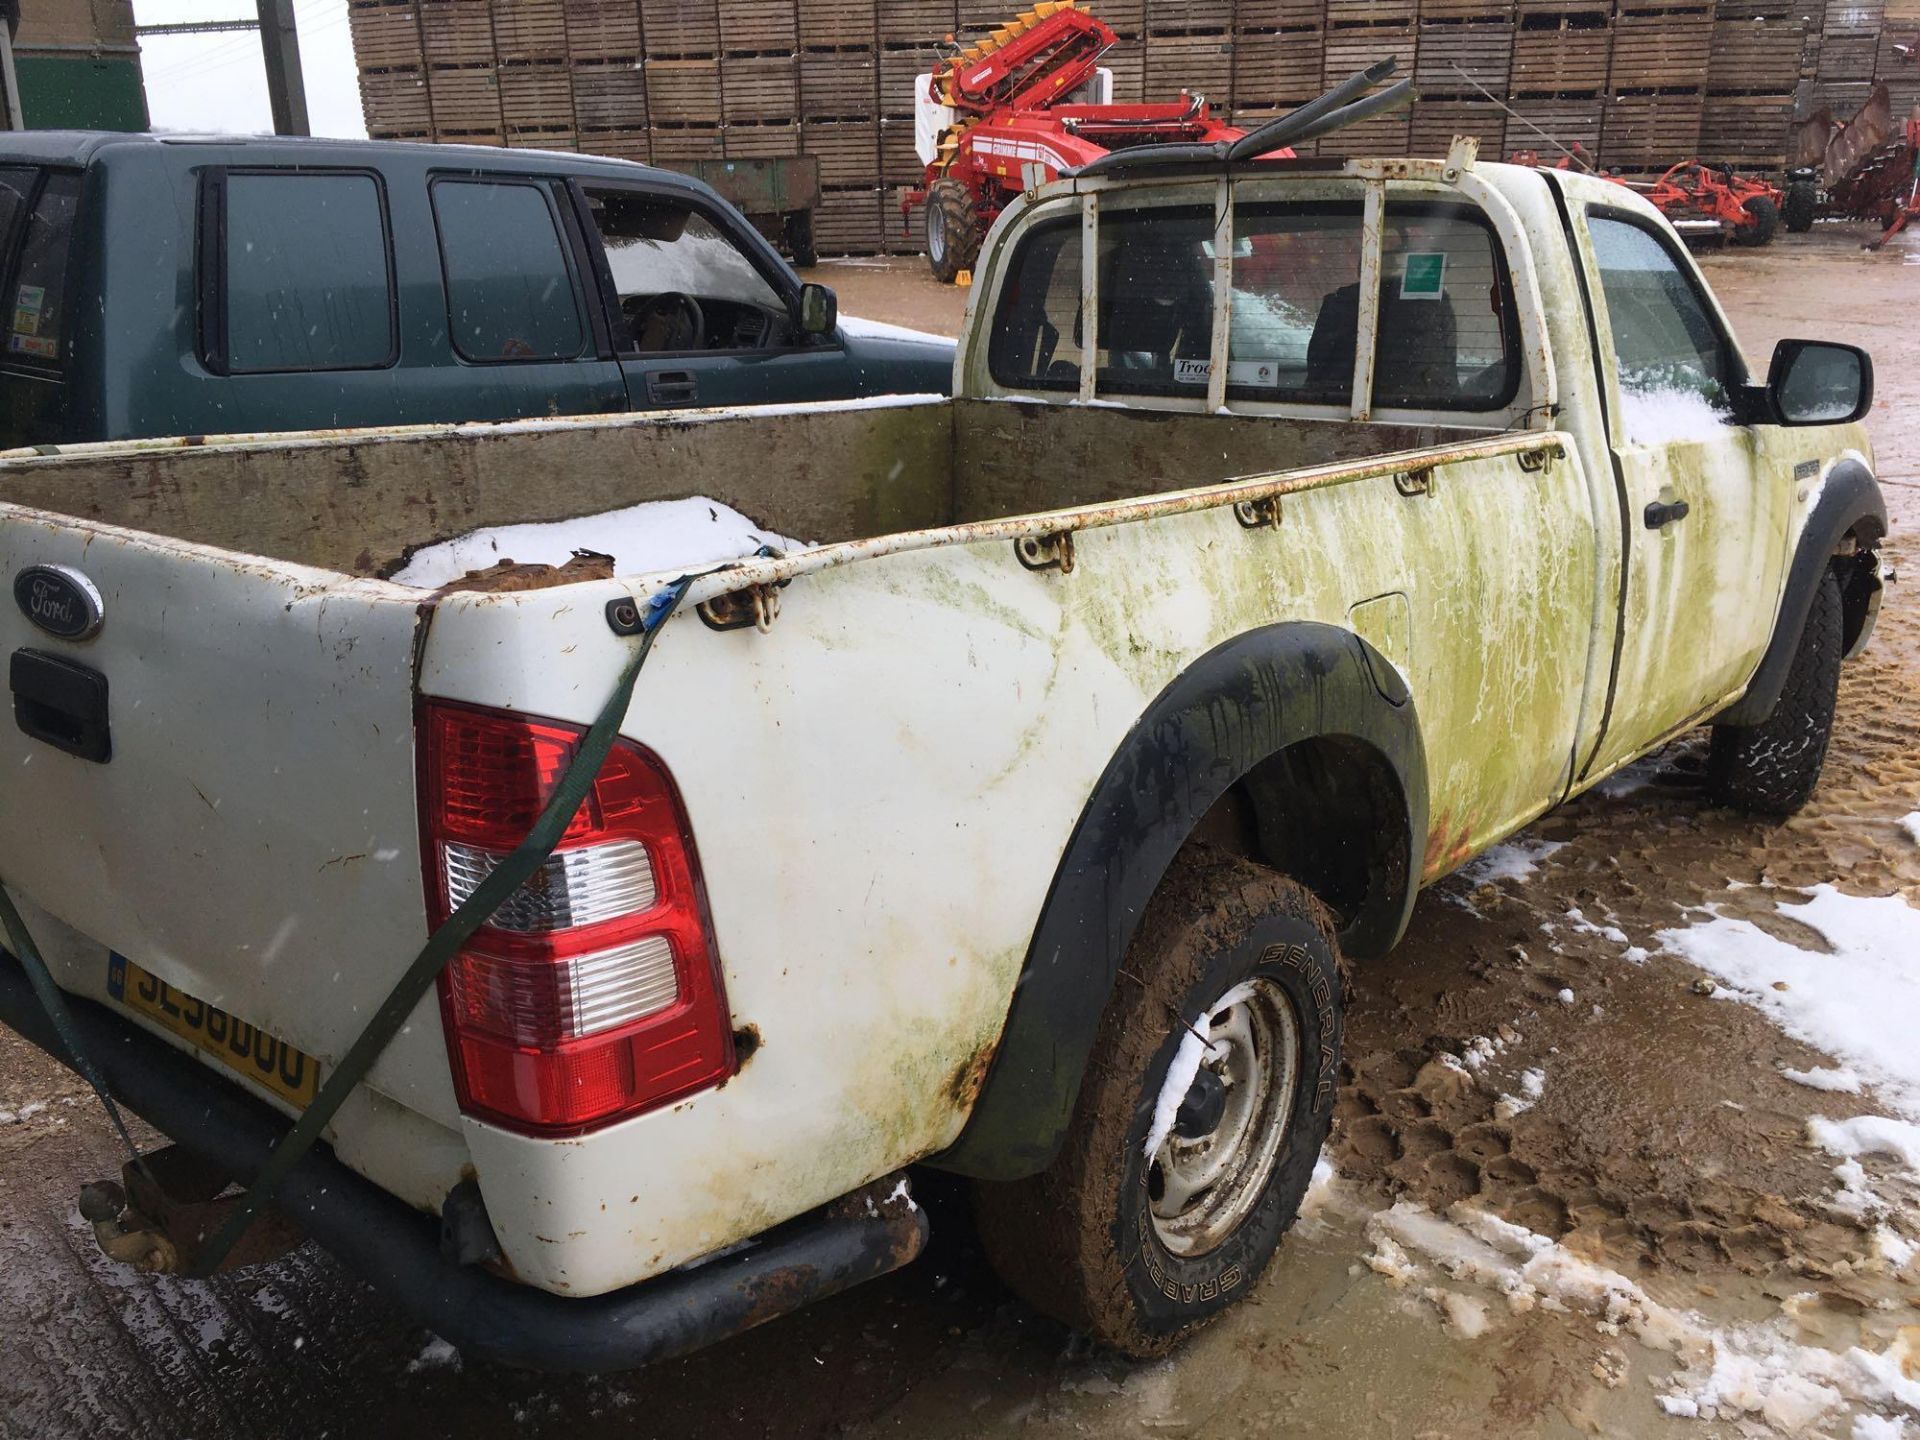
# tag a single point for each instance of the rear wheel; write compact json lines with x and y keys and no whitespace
{"x":799,"y":237}
{"x":953,"y":229}
{"x":1797,"y":206}
{"x":1771,"y":768}
{"x":1765,"y":220}
{"x":1207,"y":1097}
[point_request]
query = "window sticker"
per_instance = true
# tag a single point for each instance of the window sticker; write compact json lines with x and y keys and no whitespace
{"x":1425,"y":275}
{"x":1192,"y":372}
{"x":27,"y":306}
{"x":1253,"y":372}
{"x":44,"y":347}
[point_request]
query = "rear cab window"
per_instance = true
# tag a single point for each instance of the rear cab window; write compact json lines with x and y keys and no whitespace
{"x":511,"y":295}
{"x":37,"y":211}
{"x":297,"y":272}
{"x":1447,"y":330}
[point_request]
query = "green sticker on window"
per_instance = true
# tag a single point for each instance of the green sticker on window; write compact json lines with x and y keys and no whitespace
{"x":1425,"y":276}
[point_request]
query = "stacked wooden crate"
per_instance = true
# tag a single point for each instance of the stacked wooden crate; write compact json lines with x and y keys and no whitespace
{"x":1656,"y":85}
{"x":912,"y":37}
{"x":1751,"y":79}
{"x":1900,"y":72}
{"x":463,"y":83}
{"x":1561,"y":50}
{"x":607,"y":64}
{"x":393,"y":75}
{"x":1465,"y":56}
{"x":840,"y":119}
{"x":1360,"y":32}
{"x":1279,"y":56}
{"x":1843,"y":72}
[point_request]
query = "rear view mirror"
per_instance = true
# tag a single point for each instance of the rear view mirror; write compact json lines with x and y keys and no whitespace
{"x":1815,"y":382}
{"x":819,"y":310}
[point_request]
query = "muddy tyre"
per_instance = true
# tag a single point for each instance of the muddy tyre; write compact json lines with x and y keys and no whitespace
{"x":1798,"y":205}
{"x":799,"y":238}
{"x":1137,"y":1251}
{"x":1766,"y":220}
{"x":954,"y":231}
{"x":1771,"y":768}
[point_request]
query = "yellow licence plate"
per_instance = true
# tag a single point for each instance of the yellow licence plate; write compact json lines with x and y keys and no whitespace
{"x":245,"y":1049}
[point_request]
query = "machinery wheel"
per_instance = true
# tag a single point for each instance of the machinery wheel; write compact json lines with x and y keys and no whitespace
{"x":1771,"y":768}
{"x":1766,"y":220}
{"x":1797,"y":206}
{"x":953,"y":229}
{"x":799,"y":237}
{"x":1232,"y":982}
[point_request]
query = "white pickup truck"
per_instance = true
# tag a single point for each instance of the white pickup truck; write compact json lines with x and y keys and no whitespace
{"x":1296,"y":531}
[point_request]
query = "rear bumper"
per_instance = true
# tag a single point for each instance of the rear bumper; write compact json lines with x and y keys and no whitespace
{"x":397,"y":1250}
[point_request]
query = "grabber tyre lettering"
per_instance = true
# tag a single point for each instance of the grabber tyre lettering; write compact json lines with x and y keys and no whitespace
{"x":1240,"y":964}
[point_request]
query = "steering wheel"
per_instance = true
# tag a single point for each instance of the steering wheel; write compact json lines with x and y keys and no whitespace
{"x":671,"y":320}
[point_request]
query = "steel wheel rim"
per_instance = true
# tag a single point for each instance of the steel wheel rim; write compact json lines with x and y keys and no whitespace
{"x":936,"y":233}
{"x":1200,"y":1191}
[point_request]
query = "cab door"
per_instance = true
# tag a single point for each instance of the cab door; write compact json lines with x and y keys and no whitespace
{"x":700,"y":311}
{"x":1705,"y":525}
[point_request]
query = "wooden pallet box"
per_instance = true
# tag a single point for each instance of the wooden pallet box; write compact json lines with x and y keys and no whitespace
{"x":848,"y":150}
{"x":842,"y":84}
{"x":603,"y":29}
{"x":688,"y":29}
{"x":1843,"y":97}
{"x":1128,"y":62}
{"x":396,"y":102}
{"x":537,"y":95}
{"x":1661,"y":49}
{"x":902,"y":235}
{"x":1352,"y":48}
{"x":671,"y":144}
{"x":617,"y":144}
{"x":1436,"y":122}
{"x":827,"y":24}
{"x":759,"y":87}
{"x":1525,"y":8}
{"x":1561,"y":55}
{"x":1854,"y":17}
{"x":456,"y":32}
{"x":1493,"y":10}
{"x":1279,"y":15}
{"x":530,"y":30}
{"x":386,"y":36}
{"x":1456,"y":56}
{"x":762,"y":141}
{"x":1179,"y":16}
{"x":1650,"y":131}
{"x":543,"y":140}
{"x":465,"y":100}
{"x":1751,"y":129}
{"x":1276,"y":69}
{"x":1564,"y":119}
{"x":900,"y":67}
{"x":1756,"y":55}
{"x":610,"y":95}
{"x":1197,"y":64}
{"x":1847,"y":57}
{"x":1384,"y":135}
{"x":899,"y":161}
{"x":762,"y":26}
{"x":683,"y":92}
{"x":917,"y":22}
{"x":848,"y":222}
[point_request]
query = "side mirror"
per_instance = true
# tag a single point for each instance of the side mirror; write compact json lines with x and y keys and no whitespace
{"x":819,"y":310}
{"x":1816,"y":382}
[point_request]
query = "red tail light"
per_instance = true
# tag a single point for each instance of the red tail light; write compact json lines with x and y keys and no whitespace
{"x":593,"y":993}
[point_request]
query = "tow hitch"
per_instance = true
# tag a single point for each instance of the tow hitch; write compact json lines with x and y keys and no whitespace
{"x":165,"y":1207}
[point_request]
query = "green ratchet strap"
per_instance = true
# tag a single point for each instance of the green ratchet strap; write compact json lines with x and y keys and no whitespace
{"x":473,"y":912}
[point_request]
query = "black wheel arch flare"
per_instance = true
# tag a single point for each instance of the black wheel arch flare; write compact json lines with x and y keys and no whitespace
{"x":1237,"y":705}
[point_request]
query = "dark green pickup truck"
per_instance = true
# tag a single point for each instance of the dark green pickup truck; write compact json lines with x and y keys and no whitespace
{"x":169,"y":285}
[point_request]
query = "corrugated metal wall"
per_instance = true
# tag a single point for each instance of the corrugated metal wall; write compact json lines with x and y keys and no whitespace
{"x":1641,"y":82}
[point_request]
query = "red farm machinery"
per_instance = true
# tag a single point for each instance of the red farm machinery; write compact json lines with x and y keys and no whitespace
{"x":1711,"y":200}
{"x":1866,"y":169}
{"x":1029,"y":102}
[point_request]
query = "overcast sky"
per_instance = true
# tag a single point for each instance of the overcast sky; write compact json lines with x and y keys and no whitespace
{"x":217,"y":81}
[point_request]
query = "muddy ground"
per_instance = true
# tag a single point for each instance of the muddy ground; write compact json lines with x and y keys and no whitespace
{"x":1664,"y":1145}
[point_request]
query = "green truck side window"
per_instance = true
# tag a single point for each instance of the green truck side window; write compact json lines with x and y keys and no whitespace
{"x":509,"y":294}
{"x":308,"y":284}
{"x":37,"y":302}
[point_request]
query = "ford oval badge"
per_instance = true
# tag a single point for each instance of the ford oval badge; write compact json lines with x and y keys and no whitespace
{"x":60,"y":600}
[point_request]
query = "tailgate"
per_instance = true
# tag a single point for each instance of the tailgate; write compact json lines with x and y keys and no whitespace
{"x":250,"y":836}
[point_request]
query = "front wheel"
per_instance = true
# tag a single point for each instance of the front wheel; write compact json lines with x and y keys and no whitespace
{"x":953,"y":229}
{"x":1771,"y":768}
{"x":1798,"y":206}
{"x":1206,"y":1100}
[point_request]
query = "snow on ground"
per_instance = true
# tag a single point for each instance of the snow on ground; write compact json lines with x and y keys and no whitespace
{"x":881,"y":330}
{"x":1911,"y":824}
{"x":1860,"y":1004}
{"x":656,"y":535}
{"x":1729,"y":1373}
{"x":1515,"y":860}
{"x":1837,"y":1079}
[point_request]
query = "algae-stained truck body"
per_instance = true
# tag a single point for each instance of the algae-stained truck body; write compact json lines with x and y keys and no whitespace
{"x":1296,"y":532}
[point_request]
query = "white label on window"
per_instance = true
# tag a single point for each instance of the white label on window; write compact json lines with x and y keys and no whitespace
{"x":1192,"y":372}
{"x":1253,"y":372}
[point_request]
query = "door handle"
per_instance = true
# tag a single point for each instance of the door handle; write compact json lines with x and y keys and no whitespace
{"x":1662,"y":513}
{"x":672,"y":387}
{"x":61,"y":702}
